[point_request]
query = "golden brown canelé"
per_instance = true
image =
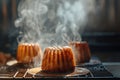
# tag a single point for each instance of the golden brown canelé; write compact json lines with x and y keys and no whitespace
{"x":27,"y":51}
{"x":81,"y":51}
{"x":58,"y":60}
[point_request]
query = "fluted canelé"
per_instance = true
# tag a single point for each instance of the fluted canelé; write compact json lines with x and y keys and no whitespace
{"x":27,"y":51}
{"x":58,"y":60}
{"x":81,"y":51}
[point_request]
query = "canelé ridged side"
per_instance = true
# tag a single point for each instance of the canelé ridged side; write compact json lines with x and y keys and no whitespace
{"x":44,"y":59}
{"x":26,"y":52}
{"x":19,"y":52}
{"x":58,"y":59}
{"x":88,"y":52}
{"x":51,"y":60}
{"x":63,"y":60}
{"x":31,"y":52}
{"x":56,"y":65}
{"x":72,"y":64}
{"x":22,"y":53}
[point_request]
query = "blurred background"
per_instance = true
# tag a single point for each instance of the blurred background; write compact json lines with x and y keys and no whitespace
{"x":102,"y":31}
{"x":8,"y":13}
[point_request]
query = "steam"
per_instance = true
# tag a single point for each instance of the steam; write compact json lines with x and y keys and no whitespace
{"x":48,"y":21}
{"x":72,"y":16}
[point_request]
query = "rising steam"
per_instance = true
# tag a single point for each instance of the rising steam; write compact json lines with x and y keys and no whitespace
{"x":48,"y":21}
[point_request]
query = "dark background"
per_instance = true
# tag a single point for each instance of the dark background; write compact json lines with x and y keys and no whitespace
{"x":102,"y":32}
{"x":8,"y":32}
